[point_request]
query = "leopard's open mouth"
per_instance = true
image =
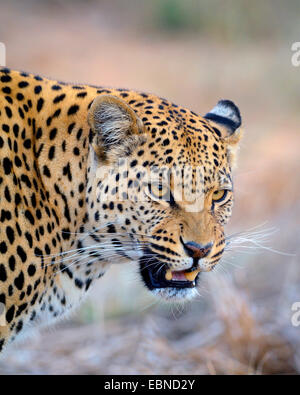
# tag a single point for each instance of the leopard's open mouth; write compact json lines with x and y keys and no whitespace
{"x":156,"y":275}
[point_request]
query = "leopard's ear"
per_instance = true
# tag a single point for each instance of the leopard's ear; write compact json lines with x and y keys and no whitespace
{"x":226,"y":117}
{"x":116,"y":128}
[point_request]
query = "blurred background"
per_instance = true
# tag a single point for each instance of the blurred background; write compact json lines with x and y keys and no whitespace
{"x":194,"y":53}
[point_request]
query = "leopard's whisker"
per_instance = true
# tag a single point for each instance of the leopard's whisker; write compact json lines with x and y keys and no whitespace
{"x":97,"y":249}
{"x":98,"y":245}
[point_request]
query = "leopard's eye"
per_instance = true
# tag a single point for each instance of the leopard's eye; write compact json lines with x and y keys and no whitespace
{"x":219,"y":195}
{"x":159,"y":191}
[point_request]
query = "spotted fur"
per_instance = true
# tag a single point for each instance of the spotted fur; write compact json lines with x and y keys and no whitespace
{"x":63,"y":221}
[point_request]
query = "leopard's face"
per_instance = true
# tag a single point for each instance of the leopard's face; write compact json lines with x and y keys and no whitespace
{"x":160,"y":190}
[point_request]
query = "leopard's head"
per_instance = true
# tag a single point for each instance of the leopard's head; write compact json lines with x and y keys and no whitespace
{"x":160,"y":187}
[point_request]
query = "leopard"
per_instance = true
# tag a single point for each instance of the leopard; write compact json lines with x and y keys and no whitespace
{"x":91,"y":177}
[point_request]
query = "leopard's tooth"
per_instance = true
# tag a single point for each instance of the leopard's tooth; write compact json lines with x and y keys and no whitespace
{"x":169,"y":275}
{"x":190,"y":276}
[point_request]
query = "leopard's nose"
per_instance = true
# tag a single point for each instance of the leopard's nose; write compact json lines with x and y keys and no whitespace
{"x":197,"y":251}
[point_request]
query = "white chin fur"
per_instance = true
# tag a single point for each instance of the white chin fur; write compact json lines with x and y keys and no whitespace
{"x":175,"y":294}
